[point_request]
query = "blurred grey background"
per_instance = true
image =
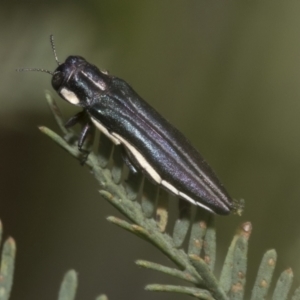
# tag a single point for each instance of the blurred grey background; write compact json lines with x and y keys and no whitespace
{"x":225,"y":72}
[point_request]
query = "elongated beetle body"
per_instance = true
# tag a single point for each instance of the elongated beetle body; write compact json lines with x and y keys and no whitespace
{"x":151,"y":143}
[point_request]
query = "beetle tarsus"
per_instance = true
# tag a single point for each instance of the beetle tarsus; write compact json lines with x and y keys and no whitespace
{"x":84,"y":157}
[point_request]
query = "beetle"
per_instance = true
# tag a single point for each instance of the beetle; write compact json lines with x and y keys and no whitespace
{"x":150,"y":143}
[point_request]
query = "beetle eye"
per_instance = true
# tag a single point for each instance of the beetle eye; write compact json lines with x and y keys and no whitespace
{"x":57,"y":80}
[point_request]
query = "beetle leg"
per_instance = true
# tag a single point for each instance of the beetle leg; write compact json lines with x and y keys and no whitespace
{"x":75,"y":119}
{"x":82,"y":137}
{"x":127,"y":161}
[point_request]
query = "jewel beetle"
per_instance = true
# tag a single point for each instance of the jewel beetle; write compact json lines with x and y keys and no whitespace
{"x":150,"y":143}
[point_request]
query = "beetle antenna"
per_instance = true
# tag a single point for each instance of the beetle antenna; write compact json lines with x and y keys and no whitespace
{"x":35,"y":69}
{"x":53,"y":48}
{"x":43,"y":70}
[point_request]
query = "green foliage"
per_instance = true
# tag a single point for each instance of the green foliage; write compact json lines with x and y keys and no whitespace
{"x":7,"y":266}
{"x":68,"y":286}
{"x":148,"y":216}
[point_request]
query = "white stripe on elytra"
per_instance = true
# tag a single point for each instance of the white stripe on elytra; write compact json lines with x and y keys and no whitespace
{"x":170,"y":187}
{"x":186,"y":197}
{"x":117,"y":140}
{"x":69,"y":96}
{"x":140,"y":158}
{"x":101,"y":85}
{"x":103,"y":129}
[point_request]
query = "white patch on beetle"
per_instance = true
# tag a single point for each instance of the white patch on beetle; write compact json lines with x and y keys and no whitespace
{"x":170,"y":187}
{"x":186,"y":197}
{"x":117,"y":140}
{"x":140,"y":158}
{"x":103,"y":129}
{"x":100,"y":84}
{"x":70,"y":96}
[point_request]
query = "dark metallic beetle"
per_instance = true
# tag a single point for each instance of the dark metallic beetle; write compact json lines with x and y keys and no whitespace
{"x":151,"y":144}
